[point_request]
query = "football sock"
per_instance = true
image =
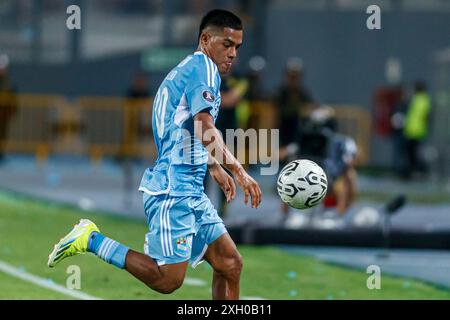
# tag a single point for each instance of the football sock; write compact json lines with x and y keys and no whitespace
{"x":107,"y":249}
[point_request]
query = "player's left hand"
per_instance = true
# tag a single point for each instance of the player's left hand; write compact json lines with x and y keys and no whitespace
{"x":225,"y":181}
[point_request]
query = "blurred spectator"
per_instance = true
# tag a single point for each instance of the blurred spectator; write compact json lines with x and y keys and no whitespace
{"x":398,"y":138}
{"x":256,"y":66}
{"x":320,"y":142}
{"x":416,"y":127}
{"x":139,"y":87}
{"x":232,"y":92}
{"x":292,"y":98}
{"x":137,"y":100}
{"x":136,"y":6}
{"x":337,"y":158}
{"x":8,"y":103}
{"x":137,"y":95}
{"x":255,"y":92}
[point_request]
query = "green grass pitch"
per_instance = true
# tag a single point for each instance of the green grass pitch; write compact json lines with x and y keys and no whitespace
{"x":29,"y":229}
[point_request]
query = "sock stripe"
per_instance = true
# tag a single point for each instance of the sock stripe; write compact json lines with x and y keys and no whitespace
{"x":102,"y":250}
{"x":112,"y":248}
{"x":105,"y":253}
{"x":101,"y":247}
{"x":109,"y":250}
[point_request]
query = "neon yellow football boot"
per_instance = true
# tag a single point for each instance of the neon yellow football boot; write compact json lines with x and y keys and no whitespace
{"x":75,"y":242}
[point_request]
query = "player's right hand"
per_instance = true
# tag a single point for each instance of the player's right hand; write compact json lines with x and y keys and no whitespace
{"x":250,"y":187}
{"x":224,"y":180}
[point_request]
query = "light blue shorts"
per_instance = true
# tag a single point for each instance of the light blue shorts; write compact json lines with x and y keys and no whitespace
{"x":180,"y":228}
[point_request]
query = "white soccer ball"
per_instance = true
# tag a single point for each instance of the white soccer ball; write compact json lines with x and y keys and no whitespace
{"x":302,"y":184}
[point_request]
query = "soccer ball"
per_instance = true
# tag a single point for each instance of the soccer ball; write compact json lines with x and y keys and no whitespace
{"x":302,"y":184}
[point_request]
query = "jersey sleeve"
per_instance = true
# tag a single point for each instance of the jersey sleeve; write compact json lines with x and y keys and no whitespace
{"x":202,"y":86}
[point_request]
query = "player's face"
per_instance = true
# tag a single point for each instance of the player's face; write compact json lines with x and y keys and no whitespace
{"x":222,"y":47}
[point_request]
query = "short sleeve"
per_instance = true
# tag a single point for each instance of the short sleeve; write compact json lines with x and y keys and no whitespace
{"x":201,"y":89}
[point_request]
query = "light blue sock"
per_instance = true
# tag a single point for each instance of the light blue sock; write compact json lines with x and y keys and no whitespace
{"x":107,"y":249}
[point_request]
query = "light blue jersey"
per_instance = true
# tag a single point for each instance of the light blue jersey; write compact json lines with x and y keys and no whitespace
{"x":192,"y":86}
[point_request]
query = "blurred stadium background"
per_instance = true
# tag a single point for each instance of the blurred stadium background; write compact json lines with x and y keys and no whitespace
{"x":75,"y":112}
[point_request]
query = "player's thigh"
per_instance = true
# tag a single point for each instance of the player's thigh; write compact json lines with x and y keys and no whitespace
{"x":223,"y":255}
{"x":171,"y":229}
{"x":208,"y":228}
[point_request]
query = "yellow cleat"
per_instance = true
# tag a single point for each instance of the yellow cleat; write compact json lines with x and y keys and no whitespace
{"x":75,"y":242}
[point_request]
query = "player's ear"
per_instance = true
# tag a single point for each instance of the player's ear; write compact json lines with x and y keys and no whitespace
{"x":204,"y":38}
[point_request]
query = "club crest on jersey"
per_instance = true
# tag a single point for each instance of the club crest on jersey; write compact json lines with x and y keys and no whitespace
{"x":208,"y":96}
{"x":182,"y":243}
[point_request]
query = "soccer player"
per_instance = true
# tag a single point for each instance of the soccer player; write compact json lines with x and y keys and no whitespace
{"x":184,"y":227}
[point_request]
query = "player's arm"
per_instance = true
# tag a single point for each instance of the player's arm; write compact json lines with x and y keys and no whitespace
{"x":223,"y":179}
{"x":211,"y":138}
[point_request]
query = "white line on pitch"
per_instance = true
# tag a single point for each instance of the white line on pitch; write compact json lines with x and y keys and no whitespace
{"x":200,"y":283}
{"x":194,"y":282}
{"x":15,"y":272}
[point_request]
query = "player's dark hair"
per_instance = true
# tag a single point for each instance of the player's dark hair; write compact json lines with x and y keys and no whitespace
{"x":221,"y":19}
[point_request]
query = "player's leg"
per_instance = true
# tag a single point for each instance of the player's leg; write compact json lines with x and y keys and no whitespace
{"x":167,"y":244}
{"x":164,"y":271}
{"x":86,"y":237}
{"x":345,"y":187}
{"x":213,"y":244}
{"x":340,"y":191}
{"x":226,"y":261}
{"x":164,"y":279}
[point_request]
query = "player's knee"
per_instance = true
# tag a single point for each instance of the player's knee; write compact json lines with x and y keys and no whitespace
{"x":238,"y":263}
{"x":233,"y":266}
{"x":168,"y":286}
